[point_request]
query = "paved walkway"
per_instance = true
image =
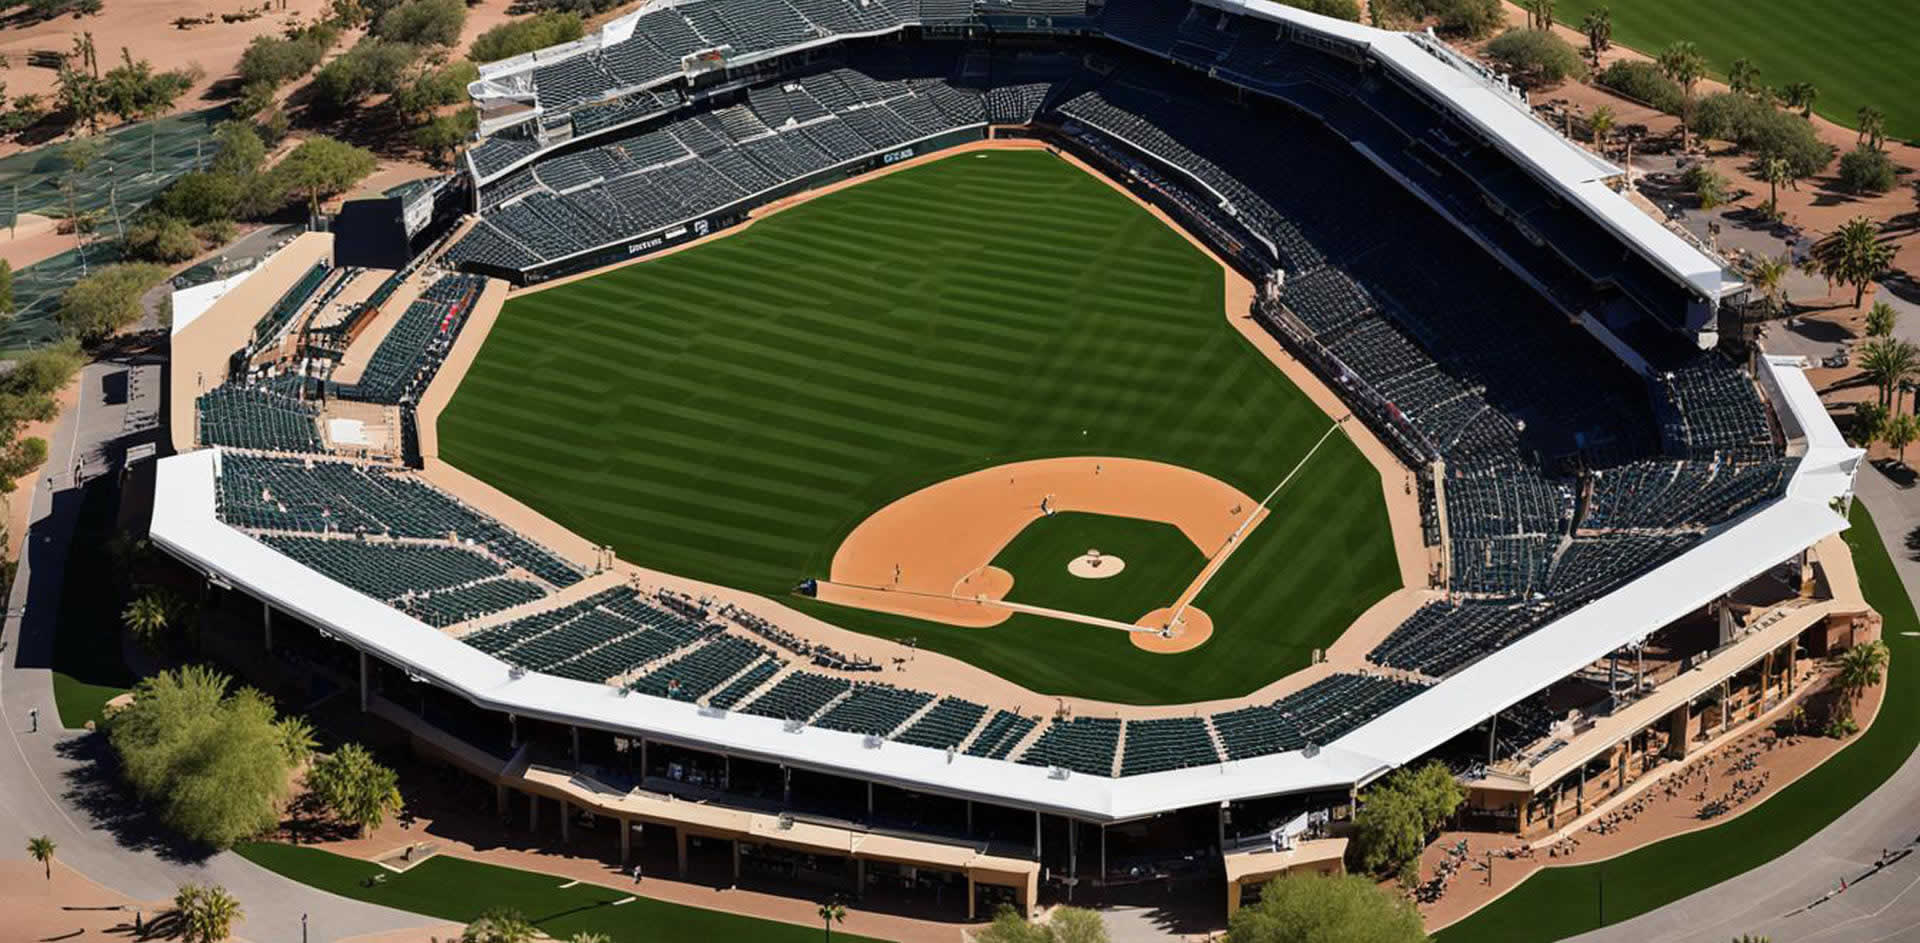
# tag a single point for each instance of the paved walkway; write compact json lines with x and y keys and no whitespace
{"x":49,"y":783}
{"x":1777,"y":898}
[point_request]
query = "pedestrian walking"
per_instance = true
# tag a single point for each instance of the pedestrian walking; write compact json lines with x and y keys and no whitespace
{"x":636,"y":874}
{"x":33,"y":717}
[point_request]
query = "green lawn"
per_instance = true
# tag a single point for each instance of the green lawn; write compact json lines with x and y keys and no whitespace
{"x":1159,"y":561}
{"x":731,"y":412}
{"x":1857,"y":54}
{"x":1562,"y":902}
{"x":460,"y":890}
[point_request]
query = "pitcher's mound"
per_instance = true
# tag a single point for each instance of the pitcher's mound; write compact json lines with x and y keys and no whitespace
{"x":1094,"y":565}
{"x":1195,"y":627}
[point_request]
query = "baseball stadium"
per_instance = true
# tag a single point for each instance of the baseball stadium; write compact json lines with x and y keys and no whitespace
{"x":964,"y":452}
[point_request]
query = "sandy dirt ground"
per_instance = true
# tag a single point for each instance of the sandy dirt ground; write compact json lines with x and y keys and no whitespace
{"x":920,"y":555}
{"x":1751,"y":765}
{"x":67,"y":906}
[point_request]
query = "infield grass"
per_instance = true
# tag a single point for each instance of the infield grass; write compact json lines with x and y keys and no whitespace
{"x":1158,"y":562}
{"x":1563,"y":902}
{"x":1857,"y":54}
{"x":730,"y":412}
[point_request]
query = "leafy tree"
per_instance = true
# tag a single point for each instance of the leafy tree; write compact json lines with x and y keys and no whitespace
{"x":1800,"y":95}
{"x":499,"y":925}
{"x":19,"y":459}
{"x":1743,"y":76}
{"x":1881,"y":318}
{"x":525,"y":35}
{"x":373,"y":66}
{"x":423,"y":22}
{"x":830,"y":913}
{"x":152,"y":614}
{"x":1868,"y":418}
{"x":1854,"y":255}
{"x":157,"y":237}
{"x":1643,"y":81}
{"x":1867,"y":169}
{"x":1708,"y":185}
{"x":273,"y":61}
{"x":77,"y":88}
{"x":1065,"y":925}
{"x":1539,"y":14}
{"x":1762,"y":130}
{"x":132,"y":90}
{"x":6,"y":288}
{"x":41,"y":850}
{"x":1683,"y":65}
{"x":1898,"y":432}
{"x":442,"y":137}
{"x":1600,"y":124}
{"x":1398,"y":813}
{"x":354,"y":787}
{"x":1536,"y":57}
{"x":1887,"y":362}
{"x":210,"y":761}
{"x":417,"y":100}
{"x":1472,"y":19}
{"x":1861,"y":667}
{"x":207,"y":913}
{"x":322,"y":167}
{"x":1310,"y":908}
{"x":1598,"y":28}
{"x":96,"y":306}
{"x":1872,"y":126}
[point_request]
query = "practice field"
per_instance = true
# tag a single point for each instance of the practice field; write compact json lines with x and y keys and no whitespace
{"x":1157,"y":562}
{"x":1858,"y":54}
{"x":731,"y":412}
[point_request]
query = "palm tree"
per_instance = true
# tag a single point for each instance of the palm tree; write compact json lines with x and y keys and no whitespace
{"x":1861,"y":667}
{"x":1743,"y":76}
{"x":296,"y":738}
{"x":207,"y":913}
{"x":1899,"y":432}
{"x":1682,"y":63}
{"x":832,"y":912}
{"x":499,"y":925}
{"x":1886,"y":362}
{"x":1601,"y":122}
{"x":1801,"y":95}
{"x":1873,"y":127}
{"x":1854,"y":255}
{"x":1768,"y":278}
{"x":1880,"y":319}
{"x":1539,"y":14}
{"x":42,"y":851}
{"x":151,"y":615}
{"x":1776,"y":171}
{"x":1598,"y":27}
{"x":1868,"y":419}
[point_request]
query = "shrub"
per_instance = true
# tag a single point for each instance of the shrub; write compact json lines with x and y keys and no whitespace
{"x":1348,"y":10}
{"x":535,"y":32}
{"x":1469,"y":18}
{"x":273,"y":61}
{"x":372,"y":66}
{"x":1642,"y":81}
{"x":1536,"y":57}
{"x":1866,"y":170}
{"x":93,"y":308}
{"x":423,"y":23}
{"x":1305,"y":907}
{"x":1763,"y":130}
{"x":443,"y":135}
{"x":437,"y":89}
{"x":158,"y":238}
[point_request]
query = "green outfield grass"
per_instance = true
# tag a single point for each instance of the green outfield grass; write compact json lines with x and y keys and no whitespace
{"x":729,"y":413}
{"x":1159,"y":561}
{"x":460,"y":890}
{"x":1562,"y":902}
{"x":1857,"y":54}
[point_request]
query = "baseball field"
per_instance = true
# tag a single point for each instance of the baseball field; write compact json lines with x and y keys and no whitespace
{"x":1855,"y":55}
{"x":731,"y":412}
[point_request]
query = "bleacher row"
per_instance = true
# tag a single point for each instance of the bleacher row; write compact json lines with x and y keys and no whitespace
{"x":277,"y":317}
{"x":407,"y":358}
{"x":695,"y":165}
{"x":245,"y":416}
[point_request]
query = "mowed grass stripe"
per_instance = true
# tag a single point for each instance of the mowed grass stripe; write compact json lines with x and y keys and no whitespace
{"x":729,"y":413}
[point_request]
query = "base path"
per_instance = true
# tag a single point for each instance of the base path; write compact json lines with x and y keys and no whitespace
{"x":927,"y":555}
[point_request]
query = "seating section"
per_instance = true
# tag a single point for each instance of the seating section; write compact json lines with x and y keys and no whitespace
{"x":1001,"y":735}
{"x":798,"y":696}
{"x":691,"y":676}
{"x":270,"y":324}
{"x":1318,"y":714}
{"x":1442,"y":637}
{"x":946,"y":726}
{"x":387,"y":570}
{"x":1083,"y":744}
{"x":874,"y":709}
{"x":748,"y":682}
{"x":411,"y":353}
{"x":1155,"y":746}
{"x":255,"y":417}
